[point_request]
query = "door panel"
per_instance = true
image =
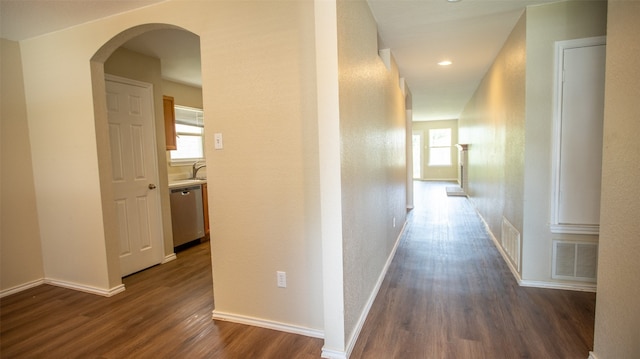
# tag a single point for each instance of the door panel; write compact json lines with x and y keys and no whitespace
{"x":133,"y":156}
{"x":581,"y":135}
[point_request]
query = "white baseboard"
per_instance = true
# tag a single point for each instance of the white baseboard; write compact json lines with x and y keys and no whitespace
{"x":581,"y":287}
{"x":351,"y":342}
{"x":21,"y":287}
{"x":169,"y":257}
{"x":333,"y":354}
{"x":85,"y":288}
{"x":58,"y":283}
{"x":269,"y":324}
{"x":503,"y":253}
{"x":592,"y":356}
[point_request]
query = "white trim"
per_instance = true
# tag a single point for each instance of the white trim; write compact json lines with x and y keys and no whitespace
{"x":579,"y":287}
{"x":169,"y":257}
{"x":558,"y":81}
{"x":21,"y":287}
{"x":333,"y":354}
{"x":503,"y":253}
{"x":455,"y":180}
{"x":269,"y":324}
{"x":575,"y":229}
{"x":58,"y":283}
{"x":85,"y":288}
{"x":592,"y":355}
{"x":131,"y":82}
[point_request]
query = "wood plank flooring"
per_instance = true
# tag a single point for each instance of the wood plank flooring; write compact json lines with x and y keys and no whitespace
{"x":447,"y":295}
{"x":165,"y":312}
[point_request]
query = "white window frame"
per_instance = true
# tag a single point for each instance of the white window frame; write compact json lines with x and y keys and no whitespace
{"x":448,"y":147}
{"x":198,"y":121}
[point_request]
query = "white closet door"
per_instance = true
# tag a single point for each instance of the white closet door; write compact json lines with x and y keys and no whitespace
{"x":582,"y":114}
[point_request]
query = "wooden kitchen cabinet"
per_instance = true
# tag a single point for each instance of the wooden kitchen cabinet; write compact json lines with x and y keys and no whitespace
{"x":169,"y":122}
{"x":205,"y":209}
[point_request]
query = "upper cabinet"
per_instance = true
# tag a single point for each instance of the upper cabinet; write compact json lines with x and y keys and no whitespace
{"x":169,"y":122}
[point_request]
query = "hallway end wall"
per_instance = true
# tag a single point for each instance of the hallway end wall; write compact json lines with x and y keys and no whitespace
{"x":437,"y":173}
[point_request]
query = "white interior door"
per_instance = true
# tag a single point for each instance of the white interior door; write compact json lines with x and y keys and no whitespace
{"x":135,"y":174}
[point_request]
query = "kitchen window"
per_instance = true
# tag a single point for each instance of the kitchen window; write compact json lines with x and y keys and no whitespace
{"x":190,"y":135}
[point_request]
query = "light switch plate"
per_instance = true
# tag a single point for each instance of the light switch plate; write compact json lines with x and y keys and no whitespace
{"x":217,"y":141}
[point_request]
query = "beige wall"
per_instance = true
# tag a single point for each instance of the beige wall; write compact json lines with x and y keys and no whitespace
{"x":183,"y":95}
{"x":492,"y":124}
{"x":259,"y":92}
{"x":545,"y":25}
{"x":20,"y":249}
{"x":372,"y":132}
{"x":264,"y":193}
{"x":449,"y":173}
{"x":617,"y":308}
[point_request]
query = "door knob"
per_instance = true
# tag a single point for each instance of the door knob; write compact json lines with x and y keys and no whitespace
{"x":152,"y":186}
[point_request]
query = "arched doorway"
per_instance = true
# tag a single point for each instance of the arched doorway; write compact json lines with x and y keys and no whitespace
{"x":110,"y":216}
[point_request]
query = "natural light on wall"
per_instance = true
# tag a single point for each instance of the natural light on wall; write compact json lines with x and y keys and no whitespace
{"x":440,"y":147}
{"x":190,"y":132}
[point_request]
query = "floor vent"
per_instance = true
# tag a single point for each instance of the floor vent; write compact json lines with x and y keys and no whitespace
{"x":511,"y":243}
{"x":575,"y":261}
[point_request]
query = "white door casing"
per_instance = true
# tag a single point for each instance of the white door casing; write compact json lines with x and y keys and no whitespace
{"x":135,"y":174}
{"x":578,"y":135}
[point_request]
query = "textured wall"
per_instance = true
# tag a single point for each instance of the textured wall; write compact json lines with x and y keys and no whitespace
{"x":492,"y":123}
{"x":20,"y":249}
{"x":372,"y":133}
{"x":258,"y":90}
{"x":617,"y":308}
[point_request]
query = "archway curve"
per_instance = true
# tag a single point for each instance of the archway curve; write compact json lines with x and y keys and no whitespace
{"x":109,"y":219}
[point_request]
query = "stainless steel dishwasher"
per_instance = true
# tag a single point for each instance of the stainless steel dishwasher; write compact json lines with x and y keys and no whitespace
{"x":186,"y":214}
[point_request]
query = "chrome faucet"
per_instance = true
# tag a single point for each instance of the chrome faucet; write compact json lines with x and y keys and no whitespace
{"x":195,"y":168}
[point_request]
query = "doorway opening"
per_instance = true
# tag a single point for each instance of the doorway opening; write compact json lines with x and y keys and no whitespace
{"x":128,"y":55}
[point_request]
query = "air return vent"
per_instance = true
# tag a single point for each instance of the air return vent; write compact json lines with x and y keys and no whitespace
{"x":510,"y":241}
{"x":575,"y":261}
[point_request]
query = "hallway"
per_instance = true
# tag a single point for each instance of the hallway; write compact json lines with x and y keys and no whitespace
{"x":449,"y":294}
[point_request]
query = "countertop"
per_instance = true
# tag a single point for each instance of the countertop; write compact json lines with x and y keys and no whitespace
{"x":186,"y":183}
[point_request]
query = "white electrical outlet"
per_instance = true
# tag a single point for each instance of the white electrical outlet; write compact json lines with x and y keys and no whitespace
{"x":394,"y":222}
{"x":282,"y":279}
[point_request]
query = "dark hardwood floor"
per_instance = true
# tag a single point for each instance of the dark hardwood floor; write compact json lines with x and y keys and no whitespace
{"x":447,"y":294}
{"x":165,"y":312}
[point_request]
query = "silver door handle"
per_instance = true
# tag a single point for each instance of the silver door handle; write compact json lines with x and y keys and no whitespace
{"x":152,"y":186}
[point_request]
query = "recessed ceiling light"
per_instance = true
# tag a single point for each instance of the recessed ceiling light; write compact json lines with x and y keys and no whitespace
{"x":454,"y":0}
{"x":445,"y":63}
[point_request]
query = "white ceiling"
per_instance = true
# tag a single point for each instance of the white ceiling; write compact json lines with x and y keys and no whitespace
{"x":419,"y":33}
